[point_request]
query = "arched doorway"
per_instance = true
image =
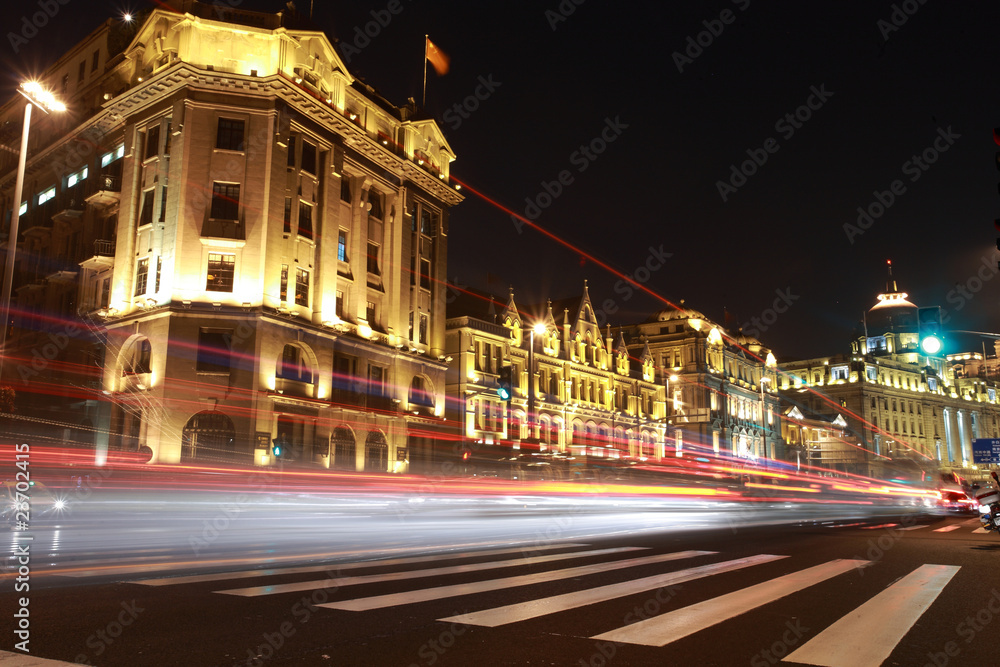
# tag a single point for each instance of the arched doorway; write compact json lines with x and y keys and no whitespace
{"x":344,"y":450}
{"x":208,"y":435}
{"x":376,"y":452}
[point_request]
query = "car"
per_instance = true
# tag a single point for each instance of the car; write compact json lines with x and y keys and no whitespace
{"x":957,"y":501}
{"x":43,"y":505}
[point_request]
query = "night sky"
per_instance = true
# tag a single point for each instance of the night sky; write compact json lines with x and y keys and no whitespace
{"x":679,"y":118}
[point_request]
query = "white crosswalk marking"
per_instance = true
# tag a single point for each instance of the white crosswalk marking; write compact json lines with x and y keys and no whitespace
{"x":523,"y":611}
{"x":981,"y":530}
{"x":948,"y":529}
{"x":354,"y":565}
{"x":914,"y":527}
{"x":440,"y":592}
{"x":337,"y":582}
{"x":8,"y":659}
{"x":882,"y":621}
{"x":666,"y":628}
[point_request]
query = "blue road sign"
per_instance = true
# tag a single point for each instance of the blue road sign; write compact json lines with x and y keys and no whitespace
{"x":986,"y":450}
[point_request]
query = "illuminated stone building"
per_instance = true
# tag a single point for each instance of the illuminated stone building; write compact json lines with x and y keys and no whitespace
{"x":716,"y":396}
{"x":590,"y":398}
{"x":255,"y":239}
{"x":921,"y":411}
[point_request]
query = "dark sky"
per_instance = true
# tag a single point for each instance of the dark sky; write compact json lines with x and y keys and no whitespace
{"x":888,"y":92}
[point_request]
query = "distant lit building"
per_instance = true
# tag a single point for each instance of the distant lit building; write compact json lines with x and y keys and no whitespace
{"x":823,"y":440}
{"x":721,"y":388}
{"x":909,"y":410}
{"x":590,"y":397}
{"x":254,"y":241}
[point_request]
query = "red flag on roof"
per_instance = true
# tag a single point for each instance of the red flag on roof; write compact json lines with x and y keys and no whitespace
{"x":437,"y":58}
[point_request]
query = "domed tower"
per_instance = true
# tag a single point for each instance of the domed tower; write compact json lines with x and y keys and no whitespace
{"x":891,"y":325}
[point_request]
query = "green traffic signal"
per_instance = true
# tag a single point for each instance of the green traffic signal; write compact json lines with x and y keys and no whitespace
{"x":504,"y":383}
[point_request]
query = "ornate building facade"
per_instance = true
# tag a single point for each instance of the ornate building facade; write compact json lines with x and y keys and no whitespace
{"x":247,"y":242}
{"x":722,"y":392}
{"x":919,"y":411}
{"x":589,"y":396}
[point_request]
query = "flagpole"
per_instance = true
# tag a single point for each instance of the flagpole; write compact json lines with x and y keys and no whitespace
{"x":423,"y":101}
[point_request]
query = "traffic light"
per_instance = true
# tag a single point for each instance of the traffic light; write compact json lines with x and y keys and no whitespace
{"x":504,"y":383}
{"x":277,"y":448}
{"x":931,"y":336}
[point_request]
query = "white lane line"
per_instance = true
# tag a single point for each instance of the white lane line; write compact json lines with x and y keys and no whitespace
{"x":669,"y":627}
{"x":882,"y":621}
{"x":395,"y":599}
{"x":523,"y":611}
{"x":948,"y":529}
{"x":923,"y":525}
{"x":980,"y":530}
{"x":337,"y":582}
{"x":354,"y":565}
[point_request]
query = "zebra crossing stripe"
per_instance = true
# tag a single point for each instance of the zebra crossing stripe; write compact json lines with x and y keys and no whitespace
{"x":354,"y":565}
{"x":8,"y":659}
{"x":666,"y":628}
{"x":513,"y":613}
{"x":882,"y":621}
{"x":337,"y":582}
{"x":923,"y":525}
{"x":948,"y":529}
{"x":440,"y":592}
{"x":982,"y":531}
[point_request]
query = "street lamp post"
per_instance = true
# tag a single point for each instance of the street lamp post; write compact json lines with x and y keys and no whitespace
{"x":46,"y":101}
{"x":763,"y":417}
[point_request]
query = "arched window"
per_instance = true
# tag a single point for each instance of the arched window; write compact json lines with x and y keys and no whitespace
{"x":294,"y":365}
{"x":208,"y":435}
{"x":376,"y":452}
{"x":344,"y":453}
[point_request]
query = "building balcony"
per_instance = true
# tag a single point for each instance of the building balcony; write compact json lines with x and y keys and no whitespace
{"x":108,"y":191}
{"x":103,"y":257}
{"x":69,"y":204}
{"x":223,"y":229}
{"x":290,"y":387}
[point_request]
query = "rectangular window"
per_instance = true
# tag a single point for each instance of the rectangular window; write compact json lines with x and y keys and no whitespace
{"x":305,"y":220}
{"x":345,"y":189}
{"x":423,"y":328}
{"x":839,"y":372}
{"x":308,"y":157}
{"x":214,"y":351}
{"x":116,"y":154}
{"x":73,"y":179}
{"x":340,"y":310}
{"x":146,"y":212}
{"x":342,"y":246}
{"x":284,"y":283}
{"x":82,"y":71}
{"x":370,"y":313}
{"x":46,"y":195}
{"x":230,"y":134}
{"x":141,"y":276}
{"x":221,"y":272}
{"x":96,"y":59}
{"x":291,"y":151}
{"x":992,"y":394}
{"x":225,"y":201}
{"x":373,"y":258}
{"x":425,"y":221}
{"x":152,"y":142}
{"x":425,"y":273}
{"x":159,"y":270}
{"x":375,"y":199}
{"x":287,"y":220}
{"x":376,"y":380}
{"x":105,"y":293}
{"x":301,"y":287}
{"x":411,"y":328}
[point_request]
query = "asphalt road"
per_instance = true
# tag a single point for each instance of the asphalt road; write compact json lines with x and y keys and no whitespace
{"x":909,"y":591}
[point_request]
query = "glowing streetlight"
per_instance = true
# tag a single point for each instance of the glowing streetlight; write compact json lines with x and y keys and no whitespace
{"x":37,"y":96}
